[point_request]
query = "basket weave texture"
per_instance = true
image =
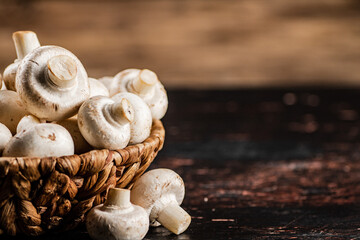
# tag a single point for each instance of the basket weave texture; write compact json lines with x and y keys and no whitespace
{"x":39,"y":195}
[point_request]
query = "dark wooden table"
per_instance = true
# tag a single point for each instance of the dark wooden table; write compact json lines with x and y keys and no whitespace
{"x":263,"y":164}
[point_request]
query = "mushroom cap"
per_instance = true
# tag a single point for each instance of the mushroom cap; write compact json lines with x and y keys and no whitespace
{"x":113,"y":223}
{"x":41,"y":140}
{"x":71,"y":124}
{"x":119,"y":81}
{"x":154,"y":96}
{"x":156,"y":189}
{"x":41,"y":96}
{"x":141,"y":125}
{"x":97,"y":88}
{"x":9,"y":75}
{"x":27,"y":122}
{"x":11,"y":104}
{"x":5,"y":136}
{"x":106,"y":80}
{"x":158,"y":102}
{"x":101,"y":126}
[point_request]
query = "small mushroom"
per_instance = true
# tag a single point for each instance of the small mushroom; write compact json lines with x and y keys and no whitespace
{"x":141,"y":125}
{"x":5,"y":136}
{"x":36,"y":139}
{"x":117,"y":218}
{"x":11,"y":109}
{"x":105,"y":123}
{"x":146,"y":85}
{"x":52,"y":83}
{"x":160,"y":192}
{"x":97,"y":88}
{"x":25,"y":42}
{"x":71,"y":124}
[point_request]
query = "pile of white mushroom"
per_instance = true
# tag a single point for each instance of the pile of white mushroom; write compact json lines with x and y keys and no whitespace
{"x":50,"y":107}
{"x":67,"y":112}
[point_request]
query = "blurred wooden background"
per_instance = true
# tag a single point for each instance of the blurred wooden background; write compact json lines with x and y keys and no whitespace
{"x":200,"y":43}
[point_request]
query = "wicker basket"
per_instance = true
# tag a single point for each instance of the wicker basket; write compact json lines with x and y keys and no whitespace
{"x":39,"y":195}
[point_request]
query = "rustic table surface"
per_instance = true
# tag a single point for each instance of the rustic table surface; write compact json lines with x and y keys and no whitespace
{"x":263,"y":164}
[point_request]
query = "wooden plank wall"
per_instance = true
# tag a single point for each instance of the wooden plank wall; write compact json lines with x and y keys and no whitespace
{"x":200,"y":43}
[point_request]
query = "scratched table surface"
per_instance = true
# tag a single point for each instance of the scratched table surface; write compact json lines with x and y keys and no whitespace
{"x":262,"y":164}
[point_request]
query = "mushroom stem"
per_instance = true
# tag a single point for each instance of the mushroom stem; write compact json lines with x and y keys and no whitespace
{"x":145,"y":81}
{"x":118,"y":197}
{"x":122,"y":111}
{"x":25,"y":42}
{"x":174,"y":218}
{"x":62,"y":71}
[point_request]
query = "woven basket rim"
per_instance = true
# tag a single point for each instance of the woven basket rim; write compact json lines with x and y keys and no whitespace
{"x":156,"y":123}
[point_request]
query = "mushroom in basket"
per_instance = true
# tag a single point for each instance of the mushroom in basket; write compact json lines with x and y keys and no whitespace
{"x":105,"y":123}
{"x":146,"y":85}
{"x":35,"y":139}
{"x":52,"y":83}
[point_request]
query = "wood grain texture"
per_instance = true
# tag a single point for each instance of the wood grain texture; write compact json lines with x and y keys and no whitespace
{"x":202,"y":44}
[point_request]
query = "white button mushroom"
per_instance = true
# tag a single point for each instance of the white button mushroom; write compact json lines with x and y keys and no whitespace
{"x":27,"y":122}
{"x":160,"y":192}
{"x":117,"y":218}
{"x":52,"y":83}
{"x":141,"y":125}
{"x":5,"y":136}
{"x":11,"y":109}
{"x":71,"y":124}
{"x":36,"y":139}
{"x":146,"y":85}
{"x":25,"y":42}
{"x":105,"y":123}
{"x":106,"y":81}
{"x":97,"y":88}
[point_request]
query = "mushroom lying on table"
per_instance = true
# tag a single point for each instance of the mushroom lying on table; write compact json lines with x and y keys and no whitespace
{"x":105,"y":123}
{"x":52,"y":83}
{"x":25,"y":42}
{"x":117,"y":218}
{"x":35,"y":139}
{"x":160,"y":192}
{"x":146,"y":85}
